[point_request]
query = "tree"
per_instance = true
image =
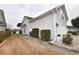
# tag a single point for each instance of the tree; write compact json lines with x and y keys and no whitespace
{"x":75,"y":22}
{"x":19,"y":24}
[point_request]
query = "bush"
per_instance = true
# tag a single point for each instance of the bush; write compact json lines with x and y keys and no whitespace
{"x":45,"y":35}
{"x":8,"y":30}
{"x":35,"y":33}
{"x":4,"y":35}
{"x":67,"y":39}
{"x":74,"y":33}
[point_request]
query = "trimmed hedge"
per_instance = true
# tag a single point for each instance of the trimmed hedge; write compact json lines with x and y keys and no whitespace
{"x":35,"y":33}
{"x":45,"y":35}
{"x":67,"y":39}
{"x":4,"y":35}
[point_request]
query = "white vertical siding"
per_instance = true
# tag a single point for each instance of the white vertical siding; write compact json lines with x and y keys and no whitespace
{"x":48,"y":22}
{"x":61,"y":29}
{"x":25,"y":30}
{"x":44,"y":23}
{"x":2,"y":28}
{"x":2,"y":21}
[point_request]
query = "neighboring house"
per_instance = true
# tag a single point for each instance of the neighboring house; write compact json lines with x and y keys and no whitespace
{"x":54,"y":20}
{"x":15,"y":30}
{"x":72,"y":29}
{"x":3,"y":25}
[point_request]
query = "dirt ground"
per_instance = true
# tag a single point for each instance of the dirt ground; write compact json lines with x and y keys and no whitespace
{"x":25,"y":45}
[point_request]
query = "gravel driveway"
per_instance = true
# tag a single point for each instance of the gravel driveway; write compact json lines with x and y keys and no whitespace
{"x":25,"y":45}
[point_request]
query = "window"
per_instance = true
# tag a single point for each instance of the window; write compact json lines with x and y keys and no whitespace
{"x":57,"y":25}
{"x":58,"y":35}
{"x":24,"y":25}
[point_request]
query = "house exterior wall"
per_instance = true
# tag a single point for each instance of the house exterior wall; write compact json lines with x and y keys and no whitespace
{"x":2,"y":28}
{"x":73,"y":30}
{"x":25,"y":29}
{"x":3,"y":25}
{"x":61,"y":23}
{"x":53,"y":21}
{"x":1,"y":16}
{"x":46,"y":22}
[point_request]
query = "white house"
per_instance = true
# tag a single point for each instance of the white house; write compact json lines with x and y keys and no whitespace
{"x":72,"y":29}
{"x":54,"y":20}
{"x":3,"y":25}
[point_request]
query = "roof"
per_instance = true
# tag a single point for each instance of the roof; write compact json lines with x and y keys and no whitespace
{"x":50,"y":11}
{"x":29,"y":17}
{"x":46,"y":13}
{"x":42,"y":15}
{"x":70,"y":27}
{"x":15,"y":30}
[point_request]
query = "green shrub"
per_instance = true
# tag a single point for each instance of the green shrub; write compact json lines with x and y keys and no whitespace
{"x":7,"y":29}
{"x":45,"y":35}
{"x":74,"y":33}
{"x":67,"y":39}
{"x":4,"y":35}
{"x":35,"y":33}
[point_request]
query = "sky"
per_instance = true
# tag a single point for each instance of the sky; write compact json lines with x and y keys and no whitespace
{"x":14,"y":13}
